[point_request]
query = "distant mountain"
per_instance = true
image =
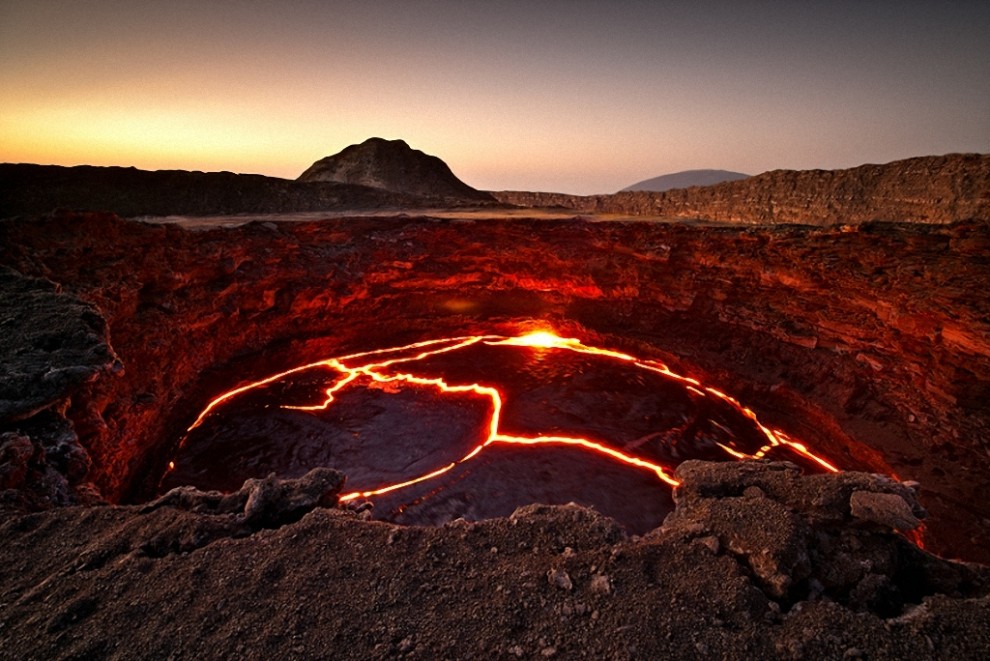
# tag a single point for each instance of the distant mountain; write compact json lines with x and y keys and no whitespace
{"x":375,"y":174}
{"x":394,"y":166}
{"x":925,"y":189}
{"x":686,"y":179}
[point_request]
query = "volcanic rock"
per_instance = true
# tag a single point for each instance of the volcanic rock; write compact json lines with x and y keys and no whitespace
{"x":777,"y":316}
{"x":268,"y":502}
{"x":756,"y":561}
{"x":106,"y":581}
{"x":52,"y":345}
{"x":394,"y":166}
{"x":15,"y":452}
{"x":559,"y":578}
{"x":869,"y":343}
{"x":886,"y":509}
{"x":795,"y":531}
{"x":929,"y":189}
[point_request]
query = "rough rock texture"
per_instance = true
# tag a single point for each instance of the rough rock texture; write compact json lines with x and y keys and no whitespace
{"x":34,"y":189}
{"x":392,"y":165}
{"x":268,"y":502}
{"x":929,"y":189}
{"x":51,"y":345}
{"x":872,"y":344}
{"x":809,"y":534}
{"x":548,"y":582}
{"x":887,"y":509}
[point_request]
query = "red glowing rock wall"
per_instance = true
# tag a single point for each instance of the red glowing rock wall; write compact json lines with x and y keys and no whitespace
{"x":874,"y":343}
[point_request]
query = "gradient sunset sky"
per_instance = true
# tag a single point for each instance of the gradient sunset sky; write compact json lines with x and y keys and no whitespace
{"x":578,"y":97}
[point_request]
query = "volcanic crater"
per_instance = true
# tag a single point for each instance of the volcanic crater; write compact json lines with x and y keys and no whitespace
{"x":558,"y":421}
{"x":580,"y":360}
{"x":825,"y":333}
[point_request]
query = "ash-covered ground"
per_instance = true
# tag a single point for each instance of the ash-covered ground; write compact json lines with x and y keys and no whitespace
{"x":756,"y":562}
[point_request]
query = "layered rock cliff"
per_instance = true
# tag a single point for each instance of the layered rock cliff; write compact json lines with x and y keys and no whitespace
{"x":393,"y":166}
{"x":930,"y":189}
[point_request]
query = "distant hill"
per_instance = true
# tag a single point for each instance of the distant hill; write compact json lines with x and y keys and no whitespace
{"x":37,"y":189}
{"x":372,"y":175}
{"x":926,"y":189}
{"x":686,"y":179}
{"x":394,"y":166}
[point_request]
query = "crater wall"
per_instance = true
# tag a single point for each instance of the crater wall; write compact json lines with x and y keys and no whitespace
{"x":872,"y":344}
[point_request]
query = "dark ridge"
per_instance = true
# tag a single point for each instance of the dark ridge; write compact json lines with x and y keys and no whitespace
{"x":27,"y":189}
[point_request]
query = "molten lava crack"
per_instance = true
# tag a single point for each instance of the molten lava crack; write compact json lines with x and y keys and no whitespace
{"x":417,"y":366}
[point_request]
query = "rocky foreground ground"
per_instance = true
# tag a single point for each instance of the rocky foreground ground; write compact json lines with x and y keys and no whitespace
{"x":756,"y":562}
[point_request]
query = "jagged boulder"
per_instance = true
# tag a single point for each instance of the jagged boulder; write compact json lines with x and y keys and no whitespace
{"x":50,"y":345}
{"x":267,"y":502}
{"x":804,"y":537}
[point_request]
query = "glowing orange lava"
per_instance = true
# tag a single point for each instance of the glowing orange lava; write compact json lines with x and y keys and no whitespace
{"x":370,"y":366}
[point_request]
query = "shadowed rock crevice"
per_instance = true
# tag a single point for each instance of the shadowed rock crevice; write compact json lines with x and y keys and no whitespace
{"x":52,"y":345}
